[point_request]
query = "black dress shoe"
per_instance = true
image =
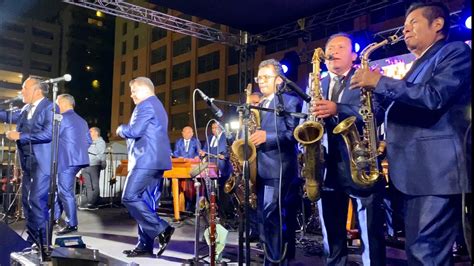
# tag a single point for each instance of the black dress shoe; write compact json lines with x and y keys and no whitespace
{"x":164,"y":238}
{"x":138,"y":253}
{"x":66,"y":230}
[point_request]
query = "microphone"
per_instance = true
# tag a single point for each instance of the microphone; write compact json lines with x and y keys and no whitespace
{"x":66,"y":77}
{"x":210,"y":101}
{"x":296,"y":89}
{"x":17,"y":98}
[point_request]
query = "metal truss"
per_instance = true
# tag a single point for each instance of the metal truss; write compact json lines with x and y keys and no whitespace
{"x":351,"y":9}
{"x":154,"y":18}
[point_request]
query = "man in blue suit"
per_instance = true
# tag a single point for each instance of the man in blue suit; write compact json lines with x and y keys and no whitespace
{"x":426,"y":119}
{"x":338,"y":103}
{"x":33,"y":136}
{"x":148,"y":157}
{"x":218,"y":147}
{"x":187,"y":146}
{"x":277,"y":172}
{"x":74,"y":140}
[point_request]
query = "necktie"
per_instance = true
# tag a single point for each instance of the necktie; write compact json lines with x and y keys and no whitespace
{"x":263,"y":103}
{"x":186,"y":145}
{"x":30,"y":111}
{"x":213,"y":142}
{"x":337,"y":88}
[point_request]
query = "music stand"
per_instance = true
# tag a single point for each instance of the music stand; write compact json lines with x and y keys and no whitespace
{"x":109,"y":175}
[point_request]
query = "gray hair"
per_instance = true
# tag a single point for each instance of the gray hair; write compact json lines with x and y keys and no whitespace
{"x":272,"y":62}
{"x":96,"y":130}
{"x":43,"y":87}
{"x":68,"y":97}
{"x":143,"y":81}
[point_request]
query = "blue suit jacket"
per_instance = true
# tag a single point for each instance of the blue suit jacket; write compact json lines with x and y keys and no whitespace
{"x":224,"y":166}
{"x":427,"y":120}
{"x":39,"y":136}
{"x":147,"y":136}
{"x":74,"y":140}
{"x":337,"y":159}
{"x":268,"y":154}
{"x":193,"y":150}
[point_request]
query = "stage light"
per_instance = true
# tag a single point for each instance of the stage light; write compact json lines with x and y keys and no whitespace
{"x":234,"y":125}
{"x":291,"y":60}
{"x":356,"y":47}
{"x":95,"y":84}
{"x":285,"y":68}
{"x":467,"y":23}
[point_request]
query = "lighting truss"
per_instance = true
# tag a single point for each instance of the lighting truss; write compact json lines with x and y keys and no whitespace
{"x":154,"y":18}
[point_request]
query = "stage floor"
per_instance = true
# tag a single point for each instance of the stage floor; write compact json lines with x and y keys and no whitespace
{"x":111,"y":230}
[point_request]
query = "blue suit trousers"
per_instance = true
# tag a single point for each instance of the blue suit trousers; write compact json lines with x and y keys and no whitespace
{"x":140,"y":197}
{"x":35,"y":188}
{"x":66,"y":200}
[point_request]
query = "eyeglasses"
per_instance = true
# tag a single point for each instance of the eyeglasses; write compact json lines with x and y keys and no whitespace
{"x":262,"y":78}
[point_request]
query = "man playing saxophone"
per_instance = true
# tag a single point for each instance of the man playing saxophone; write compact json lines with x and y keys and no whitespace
{"x":426,"y":119}
{"x":277,"y":176}
{"x":339,"y":103}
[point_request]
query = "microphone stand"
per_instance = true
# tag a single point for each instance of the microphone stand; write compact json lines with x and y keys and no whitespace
{"x":8,"y":185}
{"x":54,"y":173}
{"x":244,"y":113}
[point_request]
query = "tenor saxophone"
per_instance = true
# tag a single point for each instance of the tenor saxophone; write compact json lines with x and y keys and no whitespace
{"x":309,"y":134}
{"x":235,"y":184}
{"x":363,"y":150}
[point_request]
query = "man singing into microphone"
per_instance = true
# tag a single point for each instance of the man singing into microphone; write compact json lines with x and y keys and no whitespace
{"x":148,"y":157}
{"x":33,"y":137}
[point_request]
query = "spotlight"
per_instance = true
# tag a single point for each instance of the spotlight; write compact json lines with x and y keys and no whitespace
{"x":356,"y":47}
{"x":467,"y":23}
{"x":285,"y":68}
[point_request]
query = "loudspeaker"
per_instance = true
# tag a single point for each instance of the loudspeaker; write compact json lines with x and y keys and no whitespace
{"x":10,"y":242}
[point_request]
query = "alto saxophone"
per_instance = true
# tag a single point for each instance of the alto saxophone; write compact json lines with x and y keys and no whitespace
{"x":235,"y":184}
{"x":309,"y":134}
{"x":363,"y":152}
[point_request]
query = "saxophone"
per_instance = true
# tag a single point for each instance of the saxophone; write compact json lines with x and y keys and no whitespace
{"x":309,"y":134}
{"x":235,"y":184}
{"x":363,"y":152}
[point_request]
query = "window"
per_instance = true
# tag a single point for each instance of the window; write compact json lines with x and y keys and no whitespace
{"x":202,"y":43}
{"x":182,"y":70}
{"x":158,"y":77}
{"x":96,"y":22}
{"x":124,"y":28}
{"x":161,"y":96}
{"x":158,"y":34}
{"x":135,"y":42}
{"x":10,"y":60}
{"x":208,"y":62}
{"x":11,"y":43}
{"x":39,"y":49}
{"x":233,"y":56}
{"x":135,"y":63}
{"x":178,"y":121}
{"x":180,"y":96}
{"x":158,"y":55}
{"x":182,"y":46}
{"x":122,"y":88}
{"x":42,"y":33}
{"x":124,"y":47}
{"x":40,"y":66}
{"x":233,"y":84}
{"x":13,"y":27}
{"x":136,"y":24}
{"x":210,"y":87}
{"x":186,"y":17}
{"x":202,"y":117}
{"x":122,"y":68}
{"x":121,"y":108}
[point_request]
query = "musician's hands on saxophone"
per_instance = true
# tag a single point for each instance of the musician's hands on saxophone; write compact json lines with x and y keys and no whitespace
{"x":365,"y":78}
